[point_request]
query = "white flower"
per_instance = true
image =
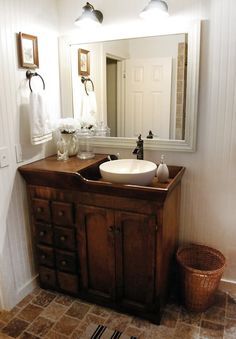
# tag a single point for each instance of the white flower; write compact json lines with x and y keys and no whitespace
{"x":67,"y":125}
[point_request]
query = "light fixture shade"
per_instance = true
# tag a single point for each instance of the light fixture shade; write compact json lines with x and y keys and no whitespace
{"x":89,"y":17}
{"x":155,"y":9}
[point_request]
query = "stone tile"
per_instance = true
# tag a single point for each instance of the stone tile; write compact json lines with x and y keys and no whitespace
{"x":169,"y":318}
{"x":27,"y":335}
{"x":2,"y":324}
{"x":44,"y":298}
{"x":100,"y":311}
{"x":55,"y":335}
{"x":191,"y":318}
{"x":30,"y":312}
{"x":141,"y":324}
{"x":78,"y":310}
{"x":6,"y":316}
{"x":41,"y":326}
{"x":161,"y":332}
{"x":90,"y":318}
{"x":220,"y":299}
{"x":230,"y":328}
{"x":185,"y":331}
{"x":66,"y":325}
{"x":64,"y":300}
{"x":215,"y":314}
{"x":231,"y":308}
{"x":37,"y":290}
{"x":210,"y":330}
{"x":15,"y":327}
{"x":134,"y":331}
{"x":118,"y":321}
{"x":77,"y":334}
{"x":25,"y":301}
{"x":54,"y":311}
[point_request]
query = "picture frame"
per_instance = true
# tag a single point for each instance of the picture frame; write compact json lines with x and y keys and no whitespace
{"x":84,"y":62}
{"x":28,"y":51}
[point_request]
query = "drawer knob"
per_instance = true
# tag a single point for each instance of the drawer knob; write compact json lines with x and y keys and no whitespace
{"x":61,"y":213}
{"x":41,"y":233}
{"x":111,"y":229}
{"x":39,"y":209}
{"x":63,"y":263}
{"x":43,"y":256}
{"x":62,"y":238}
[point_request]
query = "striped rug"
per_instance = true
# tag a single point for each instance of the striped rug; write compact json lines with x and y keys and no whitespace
{"x":94,"y":331}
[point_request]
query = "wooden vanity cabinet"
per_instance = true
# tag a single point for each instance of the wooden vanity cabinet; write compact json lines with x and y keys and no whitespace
{"x":117,"y":256}
{"x":55,"y":240}
{"x":109,"y":244}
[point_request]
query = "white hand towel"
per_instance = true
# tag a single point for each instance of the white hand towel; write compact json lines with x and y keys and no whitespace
{"x":39,"y":121}
{"x":89,"y":108}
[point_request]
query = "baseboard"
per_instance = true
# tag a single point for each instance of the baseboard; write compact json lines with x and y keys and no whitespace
{"x":27,"y":288}
{"x":228,"y":286}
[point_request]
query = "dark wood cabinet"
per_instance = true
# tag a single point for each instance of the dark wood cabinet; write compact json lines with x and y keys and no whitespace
{"x":109,"y":244}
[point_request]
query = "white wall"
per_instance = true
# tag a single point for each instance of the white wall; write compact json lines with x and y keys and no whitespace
{"x":208,"y":213}
{"x":38,"y":18}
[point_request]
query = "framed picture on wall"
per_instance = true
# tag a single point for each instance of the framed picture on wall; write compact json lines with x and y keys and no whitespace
{"x":28,"y":51}
{"x":84,"y":62}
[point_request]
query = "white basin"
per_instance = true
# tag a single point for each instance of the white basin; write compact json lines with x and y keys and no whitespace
{"x":128,"y":171}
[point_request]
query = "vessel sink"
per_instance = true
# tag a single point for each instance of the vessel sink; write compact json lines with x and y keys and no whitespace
{"x":128,"y":171}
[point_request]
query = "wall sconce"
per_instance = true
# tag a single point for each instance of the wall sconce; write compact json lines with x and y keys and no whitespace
{"x":155,"y":9}
{"x":90,"y":16}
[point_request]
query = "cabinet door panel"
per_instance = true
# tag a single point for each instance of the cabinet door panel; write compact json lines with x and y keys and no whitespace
{"x":135,"y":259}
{"x":96,"y":251}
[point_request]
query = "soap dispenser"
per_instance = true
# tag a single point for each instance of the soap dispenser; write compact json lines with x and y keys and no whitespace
{"x":162,"y":171}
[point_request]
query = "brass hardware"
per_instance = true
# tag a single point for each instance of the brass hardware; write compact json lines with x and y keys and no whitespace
{"x":63,"y":263}
{"x":61,"y":213}
{"x":39,"y":209}
{"x":41,"y":233}
{"x":62,"y":238}
{"x":43,"y":256}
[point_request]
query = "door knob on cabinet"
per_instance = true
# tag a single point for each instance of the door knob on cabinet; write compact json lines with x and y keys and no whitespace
{"x":62,"y":238}
{"x":60,"y":213}
{"x":111,"y":229}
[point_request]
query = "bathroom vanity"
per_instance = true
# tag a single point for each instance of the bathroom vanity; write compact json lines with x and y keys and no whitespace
{"x":111,"y":244}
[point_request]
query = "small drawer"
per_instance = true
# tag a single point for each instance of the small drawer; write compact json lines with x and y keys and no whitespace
{"x":41,"y":210}
{"x":44,"y":234}
{"x":45,"y":256}
{"x":64,"y":238}
{"x":62,"y":213}
{"x":66,"y":261}
{"x":68,"y":282}
{"x":47,"y":277}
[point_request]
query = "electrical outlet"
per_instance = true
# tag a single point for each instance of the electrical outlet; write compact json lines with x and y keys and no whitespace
{"x":4,"y":157}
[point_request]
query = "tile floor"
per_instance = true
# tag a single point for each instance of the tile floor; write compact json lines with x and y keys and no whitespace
{"x":44,"y":314}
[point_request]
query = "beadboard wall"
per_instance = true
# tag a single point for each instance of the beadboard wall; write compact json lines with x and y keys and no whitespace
{"x":40,"y":18}
{"x":208,"y":213}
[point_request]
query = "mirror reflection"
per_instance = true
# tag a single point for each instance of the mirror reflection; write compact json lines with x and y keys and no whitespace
{"x":132,"y":86}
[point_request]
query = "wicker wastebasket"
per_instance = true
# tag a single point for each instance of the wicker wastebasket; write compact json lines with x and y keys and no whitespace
{"x":201,"y":268}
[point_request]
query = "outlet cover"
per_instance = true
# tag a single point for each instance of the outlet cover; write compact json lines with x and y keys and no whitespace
{"x":4,"y":157}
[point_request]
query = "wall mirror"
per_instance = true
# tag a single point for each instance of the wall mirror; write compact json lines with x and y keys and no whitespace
{"x":141,"y":83}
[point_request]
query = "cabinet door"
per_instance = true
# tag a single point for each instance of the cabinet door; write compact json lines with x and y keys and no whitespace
{"x":135,"y":260}
{"x":96,"y":251}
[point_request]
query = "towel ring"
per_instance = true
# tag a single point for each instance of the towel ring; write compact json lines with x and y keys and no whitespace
{"x":30,"y":74}
{"x":84,"y":81}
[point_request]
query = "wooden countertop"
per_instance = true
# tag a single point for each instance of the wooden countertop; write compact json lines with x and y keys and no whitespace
{"x":84,"y":175}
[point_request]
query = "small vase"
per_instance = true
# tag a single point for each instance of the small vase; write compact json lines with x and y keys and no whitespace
{"x":71,"y":142}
